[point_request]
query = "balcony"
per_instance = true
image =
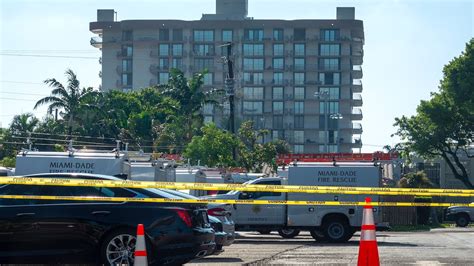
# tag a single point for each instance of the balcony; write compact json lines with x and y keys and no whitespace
{"x":357,"y":86}
{"x":357,"y":56}
{"x":356,"y":114}
{"x":357,"y":128}
{"x":357,"y":100}
{"x":96,"y":42}
{"x":357,"y":71}
{"x":357,"y":143}
{"x":154,"y":69}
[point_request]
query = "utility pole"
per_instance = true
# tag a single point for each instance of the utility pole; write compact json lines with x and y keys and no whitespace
{"x":229,"y":84}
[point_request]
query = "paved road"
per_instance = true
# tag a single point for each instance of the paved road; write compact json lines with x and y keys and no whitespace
{"x":453,"y":246}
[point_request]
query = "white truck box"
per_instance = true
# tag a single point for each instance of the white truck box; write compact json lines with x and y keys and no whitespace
{"x":33,"y":162}
{"x":289,"y":219}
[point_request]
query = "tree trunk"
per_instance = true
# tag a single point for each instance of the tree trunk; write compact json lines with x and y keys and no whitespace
{"x":463,"y":178}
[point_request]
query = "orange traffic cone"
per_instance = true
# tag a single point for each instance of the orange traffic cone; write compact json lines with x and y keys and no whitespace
{"x":368,"y":250}
{"x":140,"y":248}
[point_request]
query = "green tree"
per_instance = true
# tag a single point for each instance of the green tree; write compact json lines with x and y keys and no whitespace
{"x":253,"y":155}
{"x":213,"y":148}
{"x":444,"y":125}
{"x":415,"y":180}
{"x":191,"y":98}
{"x":24,"y":123}
{"x":71,"y":98}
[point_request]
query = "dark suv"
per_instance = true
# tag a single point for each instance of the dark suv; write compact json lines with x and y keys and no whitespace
{"x":61,"y":231}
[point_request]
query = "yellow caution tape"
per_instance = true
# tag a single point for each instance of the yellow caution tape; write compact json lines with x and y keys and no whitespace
{"x":230,"y":201}
{"x":241,"y":187}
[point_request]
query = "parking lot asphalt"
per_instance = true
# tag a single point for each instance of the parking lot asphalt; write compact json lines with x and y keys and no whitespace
{"x":451,"y":246}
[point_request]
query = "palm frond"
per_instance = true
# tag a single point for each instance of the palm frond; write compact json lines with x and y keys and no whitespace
{"x":73,"y":82}
{"x":53,"y":83}
{"x":46,"y":100}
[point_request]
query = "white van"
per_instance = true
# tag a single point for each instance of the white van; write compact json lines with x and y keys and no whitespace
{"x":328,"y":223}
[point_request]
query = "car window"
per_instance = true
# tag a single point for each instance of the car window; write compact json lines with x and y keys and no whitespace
{"x":19,"y":190}
{"x":83,"y":191}
{"x":256,"y":195}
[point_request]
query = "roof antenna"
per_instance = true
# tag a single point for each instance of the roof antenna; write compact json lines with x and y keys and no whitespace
{"x":334,"y":162}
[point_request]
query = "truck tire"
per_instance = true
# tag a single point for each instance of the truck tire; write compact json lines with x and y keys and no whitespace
{"x":318,"y":235}
{"x":337,"y":231}
{"x":288,"y":233}
{"x":264,"y":231}
{"x":462,"y":220}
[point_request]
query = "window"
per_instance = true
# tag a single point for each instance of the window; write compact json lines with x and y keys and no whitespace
{"x":164,"y":35}
{"x":177,"y":35}
{"x":300,"y":34}
{"x":277,"y":93}
{"x":227,"y":36}
{"x":177,"y":63}
{"x":299,"y":136}
{"x":253,"y":78}
{"x":278,"y":63}
{"x":278,"y":34}
{"x":298,"y":148}
{"x":127,"y":79}
{"x":19,"y":190}
{"x":330,"y":78}
{"x":127,"y":65}
{"x":203,"y":63}
{"x":278,"y":78}
{"x":332,"y":123}
{"x":329,"y":49}
{"x":278,"y":50}
{"x":203,"y":35}
{"x":277,"y":108}
{"x":253,"y":107}
{"x":299,"y":49}
{"x":329,"y":35}
{"x":299,"y":93}
{"x":299,"y":121}
{"x":257,"y":195}
{"x":127,"y":35}
{"x":332,"y":148}
{"x":127,"y":50}
{"x":333,"y":92}
{"x":299,"y":78}
{"x":164,"y":50}
{"x":253,"y":35}
{"x":299,"y":107}
{"x":253,"y":49}
{"x":253,"y":64}
{"x":277,"y":134}
{"x":278,"y":122}
{"x":332,"y":136}
{"x":329,"y":64}
{"x":164,"y":63}
{"x":253,"y":93}
{"x":163,"y":77}
{"x":299,"y":64}
{"x":204,"y":49}
{"x":177,"y":50}
{"x":332,"y":106}
{"x":208,"y":78}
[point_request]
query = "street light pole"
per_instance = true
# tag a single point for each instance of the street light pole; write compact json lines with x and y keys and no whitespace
{"x":324,"y":95}
{"x":229,"y":84}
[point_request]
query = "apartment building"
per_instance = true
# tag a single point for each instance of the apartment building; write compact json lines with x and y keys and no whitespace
{"x":301,"y":79}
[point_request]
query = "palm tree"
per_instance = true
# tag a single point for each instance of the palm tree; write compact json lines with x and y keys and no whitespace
{"x":191,"y":97}
{"x":70,"y":98}
{"x":23,"y":124}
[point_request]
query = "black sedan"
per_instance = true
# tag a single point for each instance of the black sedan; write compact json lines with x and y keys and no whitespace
{"x":45,"y":231}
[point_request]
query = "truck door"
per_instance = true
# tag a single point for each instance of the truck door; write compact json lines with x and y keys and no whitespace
{"x":252,"y":214}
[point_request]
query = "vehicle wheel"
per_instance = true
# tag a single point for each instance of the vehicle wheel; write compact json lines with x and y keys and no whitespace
{"x":337,"y":231}
{"x":318,"y":235}
{"x":462,"y":220}
{"x":118,"y":247}
{"x":264,"y":232}
{"x":288,"y":233}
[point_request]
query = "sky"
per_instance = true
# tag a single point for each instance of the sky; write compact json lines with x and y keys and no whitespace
{"x":407,"y":43}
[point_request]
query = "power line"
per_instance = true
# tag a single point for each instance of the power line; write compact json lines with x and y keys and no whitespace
{"x":23,"y":93}
{"x":53,"y":56}
{"x":16,"y":99}
{"x":20,"y":82}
